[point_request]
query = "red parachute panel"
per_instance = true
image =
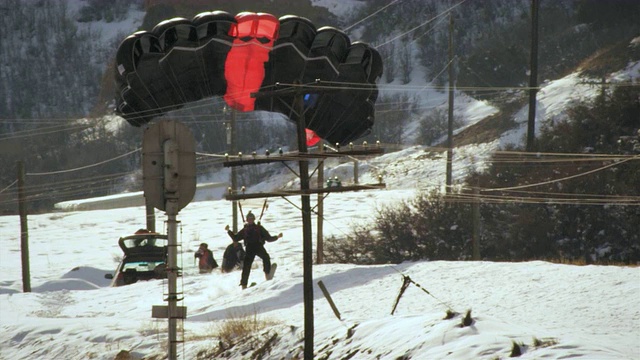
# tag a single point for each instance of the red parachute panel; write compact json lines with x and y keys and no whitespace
{"x":253,"y":35}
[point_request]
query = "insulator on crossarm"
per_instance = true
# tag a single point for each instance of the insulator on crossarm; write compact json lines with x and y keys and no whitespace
{"x":253,"y":154}
{"x":266,"y":152}
{"x":226,"y":156}
{"x":240,"y":154}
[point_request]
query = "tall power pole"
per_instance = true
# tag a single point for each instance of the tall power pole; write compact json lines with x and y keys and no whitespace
{"x":307,"y":251}
{"x":533,"y":78}
{"x":450,"y":130}
{"x":24,"y":229}
{"x":305,"y":193}
{"x":320,"y":211}
{"x":233,"y":149}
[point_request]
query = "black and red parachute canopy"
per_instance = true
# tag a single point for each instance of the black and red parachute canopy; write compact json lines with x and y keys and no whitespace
{"x":217,"y":54}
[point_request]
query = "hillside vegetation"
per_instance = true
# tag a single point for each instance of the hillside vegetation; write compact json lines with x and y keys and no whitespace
{"x":562,"y":202}
{"x":54,"y":71}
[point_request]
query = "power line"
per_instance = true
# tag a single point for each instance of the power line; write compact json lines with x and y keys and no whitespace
{"x":215,"y":118}
{"x":84,"y":167}
{"x":547,"y":200}
{"x":423,"y":24}
{"x":10,"y":185}
{"x":567,"y":177}
{"x":370,"y":16}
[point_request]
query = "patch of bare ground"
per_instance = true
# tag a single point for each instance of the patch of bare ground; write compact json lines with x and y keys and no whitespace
{"x":610,"y":59}
{"x":490,"y":128}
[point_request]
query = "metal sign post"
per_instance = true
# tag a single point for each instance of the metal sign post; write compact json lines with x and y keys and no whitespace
{"x":169,"y":166}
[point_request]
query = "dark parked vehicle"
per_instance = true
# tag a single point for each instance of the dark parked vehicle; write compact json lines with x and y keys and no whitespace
{"x":145,"y":257}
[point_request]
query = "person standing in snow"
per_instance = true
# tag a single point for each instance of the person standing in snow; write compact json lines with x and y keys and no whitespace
{"x":254,"y":236}
{"x":207,"y":263}
{"x":233,"y":257}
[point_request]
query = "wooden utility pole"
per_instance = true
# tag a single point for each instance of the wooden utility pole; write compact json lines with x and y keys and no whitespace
{"x":24,"y":229}
{"x":151,"y":216}
{"x":475,"y":209}
{"x":320,"y":210}
{"x":233,"y":148}
{"x":533,"y":78}
{"x":307,"y":253}
{"x":150,"y":213}
{"x":305,"y":192}
{"x":356,"y":171}
{"x":450,"y":130}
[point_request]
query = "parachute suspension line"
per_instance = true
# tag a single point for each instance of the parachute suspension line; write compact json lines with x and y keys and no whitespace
{"x":407,"y":280}
{"x":264,"y":207}
{"x":178,"y":89}
{"x":338,"y":124}
{"x":241,"y":213}
{"x":152,"y":109}
{"x":143,"y":113}
{"x":205,"y":75}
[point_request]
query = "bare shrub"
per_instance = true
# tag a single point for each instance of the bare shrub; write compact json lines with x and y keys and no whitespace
{"x":435,"y":125}
{"x":240,"y":326}
{"x":426,"y":227}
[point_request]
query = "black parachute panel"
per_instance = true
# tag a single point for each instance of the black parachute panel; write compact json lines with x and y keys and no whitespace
{"x":182,"y":61}
{"x":328,"y":51}
{"x":180,"y":65}
{"x":348,"y":113}
{"x":214,"y":43}
{"x":287,"y":62}
{"x":144,"y":90}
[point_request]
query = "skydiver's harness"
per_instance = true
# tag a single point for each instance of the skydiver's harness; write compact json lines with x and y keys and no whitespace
{"x":264,"y":207}
{"x":255,"y":229}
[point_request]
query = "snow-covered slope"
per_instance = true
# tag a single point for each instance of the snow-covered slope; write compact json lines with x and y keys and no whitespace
{"x":553,"y":311}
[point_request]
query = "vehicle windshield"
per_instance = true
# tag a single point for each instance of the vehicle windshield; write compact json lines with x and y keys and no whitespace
{"x":146,"y":242}
{"x":143,"y":244}
{"x":141,"y":265}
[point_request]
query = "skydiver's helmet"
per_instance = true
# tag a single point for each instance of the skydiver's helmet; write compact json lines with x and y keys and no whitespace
{"x":250,"y":215}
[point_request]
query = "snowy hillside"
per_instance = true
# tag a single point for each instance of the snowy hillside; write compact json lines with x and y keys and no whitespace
{"x":554,"y":311}
{"x":541,"y":309}
{"x":548,"y":310}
